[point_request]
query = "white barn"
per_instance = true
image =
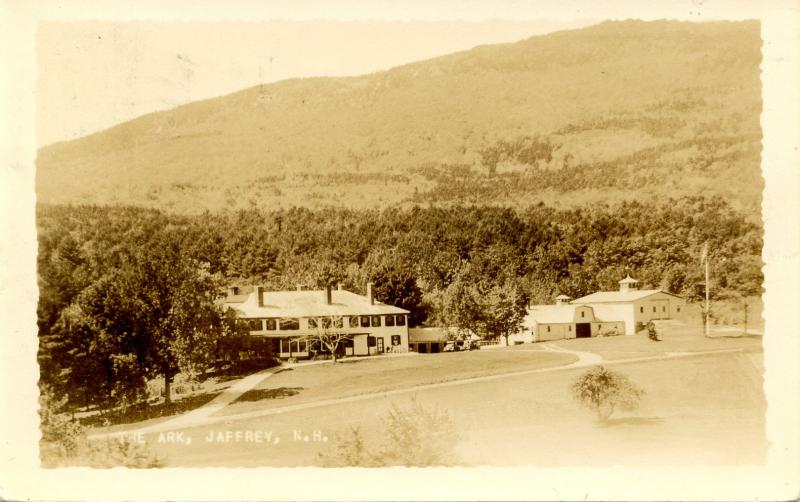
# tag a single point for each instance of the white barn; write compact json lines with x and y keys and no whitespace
{"x":633,"y":306}
{"x":603,"y":313}
{"x":563,"y":320}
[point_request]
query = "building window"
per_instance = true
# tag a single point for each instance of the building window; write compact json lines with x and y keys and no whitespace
{"x":600,"y":326}
{"x":548,"y":329}
{"x":354,"y":322}
{"x":292,"y":346}
{"x":401,"y":320}
{"x":291,"y":323}
{"x":371,"y":341}
{"x":663,"y":309}
{"x":326,"y":323}
{"x":583,"y":313}
{"x":338,"y":322}
{"x":569,"y":328}
{"x":641,"y":310}
{"x":395,"y":340}
{"x":376,"y":321}
{"x":678,"y":308}
{"x":389,"y":321}
{"x":654,"y":309}
{"x":364,"y":321}
{"x":252,"y":324}
{"x":312,"y":323}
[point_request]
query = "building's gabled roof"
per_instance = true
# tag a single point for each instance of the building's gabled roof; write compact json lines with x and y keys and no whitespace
{"x":552,"y":314}
{"x":236,"y":298}
{"x":310,"y":304}
{"x":618,"y":296}
{"x":417,"y":335}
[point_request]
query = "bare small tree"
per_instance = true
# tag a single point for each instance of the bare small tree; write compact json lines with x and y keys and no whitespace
{"x":329,"y":332}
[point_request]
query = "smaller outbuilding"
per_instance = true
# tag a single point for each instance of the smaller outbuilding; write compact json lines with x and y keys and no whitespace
{"x":431,"y":340}
{"x":426,"y":340}
{"x":564,"y":320}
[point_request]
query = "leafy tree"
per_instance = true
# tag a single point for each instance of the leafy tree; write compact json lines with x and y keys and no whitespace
{"x":394,"y":283}
{"x":502,"y":309}
{"x":178,"y":321}
{"x":460,"y":305}
{"x":603,"y":390}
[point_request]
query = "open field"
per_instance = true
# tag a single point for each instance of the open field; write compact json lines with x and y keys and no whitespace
{"x":306,"y":383}
{"x":639,"y":345}
{"x":366,"y":376}
{"x":700,"y":409}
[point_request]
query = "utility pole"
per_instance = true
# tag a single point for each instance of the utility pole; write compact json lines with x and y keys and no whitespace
{"x":704,"y":261}
{"x":745,"y":316}
{"x":708,"y":303}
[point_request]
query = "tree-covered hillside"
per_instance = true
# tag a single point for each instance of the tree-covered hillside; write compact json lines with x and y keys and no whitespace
{"x":413,"y":255}
{"x":622,"y":110}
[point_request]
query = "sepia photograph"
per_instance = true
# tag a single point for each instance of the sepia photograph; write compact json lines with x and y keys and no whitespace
{"x":393,"y":242}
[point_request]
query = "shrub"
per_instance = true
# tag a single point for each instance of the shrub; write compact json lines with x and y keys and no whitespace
{"x":155,"y":388}
{"x":417,"y":436}
{"x":65,"y":443}
{"x":120,"y":452}
{"x":61,"y":436}
{"x":603,"y":390}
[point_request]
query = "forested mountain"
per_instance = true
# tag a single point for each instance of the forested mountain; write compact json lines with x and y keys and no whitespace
{"x":621,"y":110}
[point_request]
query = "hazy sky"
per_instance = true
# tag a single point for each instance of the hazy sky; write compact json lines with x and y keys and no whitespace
{"x":92,"y":75}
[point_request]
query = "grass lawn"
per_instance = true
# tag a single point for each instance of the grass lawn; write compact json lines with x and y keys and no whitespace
{"x":366,"y":376}
{"x":639,"y":345}
{"x":706,"y":409}
{"x":699,"y":410}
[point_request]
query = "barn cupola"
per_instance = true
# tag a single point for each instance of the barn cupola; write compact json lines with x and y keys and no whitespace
{"x":562,"y":299}
{"x":628,"y":284}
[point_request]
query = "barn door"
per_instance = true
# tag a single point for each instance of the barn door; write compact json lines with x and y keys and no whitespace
{"x":583,"y":330}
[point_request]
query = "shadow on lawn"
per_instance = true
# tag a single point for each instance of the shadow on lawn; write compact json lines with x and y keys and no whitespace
{"x":145,"y":411}
{"x":613,"y":422}
{"x":261,"y":394}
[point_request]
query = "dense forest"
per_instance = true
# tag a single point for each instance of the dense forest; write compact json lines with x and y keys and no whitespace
{"x":417,"y":258}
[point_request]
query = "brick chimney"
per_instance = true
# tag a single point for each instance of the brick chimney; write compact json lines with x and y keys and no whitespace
{"x":260,"y":295}
{"x":369,"y":294}
{"x":328,"y":299}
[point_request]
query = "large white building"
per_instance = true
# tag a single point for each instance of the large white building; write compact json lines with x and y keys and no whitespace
{"x":633,"y":306}
{"x":606,"y":312}
{"x":291,"y":319}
